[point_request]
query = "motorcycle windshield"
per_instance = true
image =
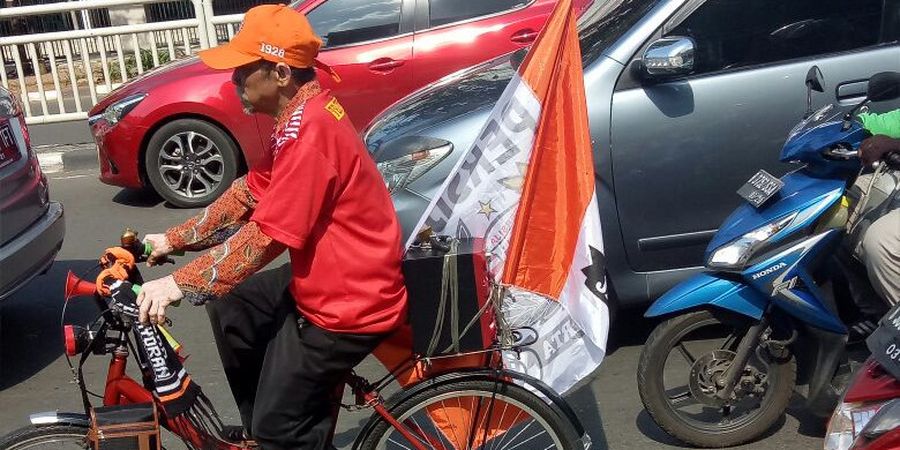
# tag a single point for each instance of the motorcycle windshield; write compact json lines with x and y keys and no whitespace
{"x":824,"y":114}
{"x":823,"y":128}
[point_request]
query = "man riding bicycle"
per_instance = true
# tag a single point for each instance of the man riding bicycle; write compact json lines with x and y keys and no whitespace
{"x":317,"y":194}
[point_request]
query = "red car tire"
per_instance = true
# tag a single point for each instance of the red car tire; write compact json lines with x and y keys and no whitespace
{"x":190,"y":162}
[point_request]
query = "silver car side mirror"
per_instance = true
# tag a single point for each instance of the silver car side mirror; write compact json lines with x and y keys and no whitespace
{"x":669,"y":56}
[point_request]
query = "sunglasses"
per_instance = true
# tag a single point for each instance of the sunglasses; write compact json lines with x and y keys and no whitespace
{"x":241,"y":73}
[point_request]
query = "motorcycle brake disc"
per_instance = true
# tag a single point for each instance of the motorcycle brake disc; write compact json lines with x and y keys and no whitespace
{"x":706,"y":377}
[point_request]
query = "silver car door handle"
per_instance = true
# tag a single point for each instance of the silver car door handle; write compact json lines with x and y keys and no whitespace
{"x":853,"y":89}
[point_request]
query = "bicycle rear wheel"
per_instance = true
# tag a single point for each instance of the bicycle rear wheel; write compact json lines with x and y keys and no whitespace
{"x":56,"y":437}
{"x":475,"y":415}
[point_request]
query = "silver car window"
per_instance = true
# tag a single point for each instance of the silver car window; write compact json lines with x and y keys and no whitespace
{"x":732,"y":34}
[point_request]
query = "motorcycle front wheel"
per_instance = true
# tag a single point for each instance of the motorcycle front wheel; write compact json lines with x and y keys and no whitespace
{"x":681,"y":372}
{"x":56,"y":437}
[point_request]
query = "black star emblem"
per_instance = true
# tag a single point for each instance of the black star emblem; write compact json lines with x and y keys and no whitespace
{"x":596,"y":274}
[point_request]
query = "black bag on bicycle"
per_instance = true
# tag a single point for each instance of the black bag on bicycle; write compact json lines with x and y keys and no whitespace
{"x":447,"y":284}
{"x":124,"y":427}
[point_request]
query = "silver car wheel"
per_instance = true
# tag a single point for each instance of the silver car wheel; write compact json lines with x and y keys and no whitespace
{"x":191,"y":164}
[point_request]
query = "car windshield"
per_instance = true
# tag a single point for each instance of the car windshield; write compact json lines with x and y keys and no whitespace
{"x":606,"y":21}
{"x":455,"y":95}
{"x":479,"y":86}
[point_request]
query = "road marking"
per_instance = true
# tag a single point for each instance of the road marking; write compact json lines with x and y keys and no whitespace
{"x":51,"y":162}
{"x":70,"y":177}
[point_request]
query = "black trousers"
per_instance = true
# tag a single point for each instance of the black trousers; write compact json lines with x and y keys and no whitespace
{"x":283,"y":371}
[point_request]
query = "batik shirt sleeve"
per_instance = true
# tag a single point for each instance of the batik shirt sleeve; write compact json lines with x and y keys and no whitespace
{"x":240,"y":249}
{"x":217,"y":272}
{"x":218,"y":221}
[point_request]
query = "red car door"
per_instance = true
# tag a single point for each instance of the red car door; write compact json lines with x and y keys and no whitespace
{"x":454,"y":34}
{"x":369,"y":44}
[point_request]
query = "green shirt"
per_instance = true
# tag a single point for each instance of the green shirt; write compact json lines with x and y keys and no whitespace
{"x":887,"y":123}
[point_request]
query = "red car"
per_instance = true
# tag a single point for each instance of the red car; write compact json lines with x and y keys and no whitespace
{"x":179,"y":129}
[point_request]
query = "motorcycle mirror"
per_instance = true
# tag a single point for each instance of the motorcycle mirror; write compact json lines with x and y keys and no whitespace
{"x":814,"y":80}
{"x":884,"y":86}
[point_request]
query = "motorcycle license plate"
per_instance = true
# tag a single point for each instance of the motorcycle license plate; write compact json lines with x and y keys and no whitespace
{"x":884,"y":343}
{"x":760,"y":188}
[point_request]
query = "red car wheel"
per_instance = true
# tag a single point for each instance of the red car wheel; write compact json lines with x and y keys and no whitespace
{"x":191,"y":162}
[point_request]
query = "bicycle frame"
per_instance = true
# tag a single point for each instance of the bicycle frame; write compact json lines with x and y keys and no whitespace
{"x":121,"y":389}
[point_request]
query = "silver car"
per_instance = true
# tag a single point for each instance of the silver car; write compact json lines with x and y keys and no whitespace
{"x":687,"y":99}
{"x":31,"y":226}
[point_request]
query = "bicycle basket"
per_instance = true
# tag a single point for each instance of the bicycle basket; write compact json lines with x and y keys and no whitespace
{"x":448,"y":290}
{"x":124,"y":427}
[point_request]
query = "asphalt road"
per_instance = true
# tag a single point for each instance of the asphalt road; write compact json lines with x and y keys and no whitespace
{"x":34,"y":376}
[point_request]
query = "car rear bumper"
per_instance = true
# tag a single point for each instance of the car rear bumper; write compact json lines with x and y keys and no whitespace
{"x":31,"y":253}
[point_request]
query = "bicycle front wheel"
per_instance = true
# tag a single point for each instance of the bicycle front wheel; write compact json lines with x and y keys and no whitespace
{"x":474,"y":415}
{"x":55,"y":437}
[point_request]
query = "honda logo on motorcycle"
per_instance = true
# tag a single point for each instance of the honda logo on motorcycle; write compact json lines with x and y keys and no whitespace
{"x":769,"y":271}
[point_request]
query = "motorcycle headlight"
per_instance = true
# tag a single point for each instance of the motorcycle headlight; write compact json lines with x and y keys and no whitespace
{"x":115,"y":112}
{"x":400,"y":171}
{"x":736,"y":253}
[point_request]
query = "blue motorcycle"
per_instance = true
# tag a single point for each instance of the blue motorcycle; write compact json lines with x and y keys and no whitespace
{"x":774,"y":289}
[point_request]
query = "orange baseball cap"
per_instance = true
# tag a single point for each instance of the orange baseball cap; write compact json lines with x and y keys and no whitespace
{"x":274,"y":33}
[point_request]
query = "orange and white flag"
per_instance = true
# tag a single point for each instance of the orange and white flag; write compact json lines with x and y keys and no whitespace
{"x":526,"y":186}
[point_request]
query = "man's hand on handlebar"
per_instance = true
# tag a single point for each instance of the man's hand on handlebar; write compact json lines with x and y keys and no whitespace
{"x":875,"y":147}
{"x":155,"y":296}
{"x":161,"y":249}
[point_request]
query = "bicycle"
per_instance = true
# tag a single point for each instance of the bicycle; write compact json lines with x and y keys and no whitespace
{"x":484,"y":407}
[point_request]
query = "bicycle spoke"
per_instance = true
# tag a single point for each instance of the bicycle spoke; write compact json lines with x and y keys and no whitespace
{"x":470,"y":427}
{"x":486,"y":422}
{"x":417,"y":431}
{"x":502,"y":415}
{"x":519,"y":434}
{"x":399,"y":444}
{"x":472,"y":419}
{"x":516,"y":420}
{"x":450,"y":421}
{"x":529,"y":439}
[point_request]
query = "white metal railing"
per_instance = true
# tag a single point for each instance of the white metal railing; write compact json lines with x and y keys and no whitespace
{"x":61,"y":75}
